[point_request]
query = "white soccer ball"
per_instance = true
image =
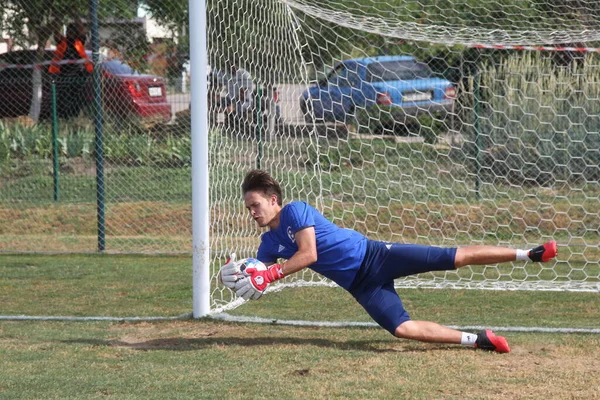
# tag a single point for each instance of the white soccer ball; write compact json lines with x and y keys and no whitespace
{"x":250,"y":262}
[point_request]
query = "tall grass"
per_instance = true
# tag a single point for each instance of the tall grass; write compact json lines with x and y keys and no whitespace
{"x":539,"y":122}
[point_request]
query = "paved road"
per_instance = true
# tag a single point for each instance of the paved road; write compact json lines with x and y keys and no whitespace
{"x":179,"y":102}
{"x":288,"y":102}
{"x":289,"y":96}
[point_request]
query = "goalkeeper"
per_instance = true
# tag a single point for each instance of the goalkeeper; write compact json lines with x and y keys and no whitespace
{"x":366,"y":268}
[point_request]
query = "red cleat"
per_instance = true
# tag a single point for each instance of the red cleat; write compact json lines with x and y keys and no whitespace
{"x":543,"y":253}
{"x":487,"y":340}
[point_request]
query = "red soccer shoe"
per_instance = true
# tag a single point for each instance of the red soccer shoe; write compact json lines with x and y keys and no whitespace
{"x":543,"y":253}
{"x":487,"y":340}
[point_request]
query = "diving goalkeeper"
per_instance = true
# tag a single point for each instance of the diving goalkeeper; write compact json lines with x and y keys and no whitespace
{"x":365,"y":268}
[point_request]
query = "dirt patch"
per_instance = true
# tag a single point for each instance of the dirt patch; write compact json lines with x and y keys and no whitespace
{"x":175,"y":335}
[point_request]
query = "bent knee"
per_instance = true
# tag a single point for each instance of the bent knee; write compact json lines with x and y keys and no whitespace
{"x":460,"y":259}
{"x":405,"y":330}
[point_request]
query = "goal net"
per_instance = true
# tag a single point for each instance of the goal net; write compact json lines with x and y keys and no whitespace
{"x":446,"y":122}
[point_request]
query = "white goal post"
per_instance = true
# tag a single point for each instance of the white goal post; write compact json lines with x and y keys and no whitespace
{"x":200,"y":165}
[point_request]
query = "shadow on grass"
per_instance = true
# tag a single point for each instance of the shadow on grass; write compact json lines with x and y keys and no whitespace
{"x":191,"y":344}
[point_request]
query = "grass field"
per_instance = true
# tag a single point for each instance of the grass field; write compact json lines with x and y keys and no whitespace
{"x":213,"y":359}
{"x":387,"y":190}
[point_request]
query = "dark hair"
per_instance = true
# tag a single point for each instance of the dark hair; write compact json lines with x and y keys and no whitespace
{"x":76,"y":31}
{"x":260,"y":181}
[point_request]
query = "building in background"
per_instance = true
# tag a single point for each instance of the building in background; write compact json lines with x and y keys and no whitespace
{"x":148,"y":28}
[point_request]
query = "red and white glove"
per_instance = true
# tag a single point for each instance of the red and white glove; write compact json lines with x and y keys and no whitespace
{"x":254,"y":285}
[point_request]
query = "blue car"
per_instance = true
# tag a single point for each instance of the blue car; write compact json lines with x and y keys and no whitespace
{"x":399,"y":84}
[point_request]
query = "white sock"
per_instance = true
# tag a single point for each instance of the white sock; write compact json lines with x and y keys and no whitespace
{"x":522,"y":255}
{"x":468,"y":339}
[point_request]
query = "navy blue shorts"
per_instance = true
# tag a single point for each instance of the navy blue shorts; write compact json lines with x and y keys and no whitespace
{"x":373,"y":286}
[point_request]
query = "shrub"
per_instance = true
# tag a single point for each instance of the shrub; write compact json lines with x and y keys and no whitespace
{"x":536,"y":122}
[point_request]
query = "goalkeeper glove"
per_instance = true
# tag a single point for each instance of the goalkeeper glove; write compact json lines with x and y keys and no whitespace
{"x":253,"y":286}
{"x":230,"y":272}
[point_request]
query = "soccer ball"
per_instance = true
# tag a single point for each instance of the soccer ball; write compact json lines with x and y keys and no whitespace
{"x":248,"y":263}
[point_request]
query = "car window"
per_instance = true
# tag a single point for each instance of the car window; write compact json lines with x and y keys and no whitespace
{"x":397,"y":70}
{"x":116,"y":67}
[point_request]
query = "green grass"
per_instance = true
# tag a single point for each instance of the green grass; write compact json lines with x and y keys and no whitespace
{"x":101,"y":284}
{"x":386,"y":171}
{"x":122,"y":184}
{"x":208,"y":359}
{"x":397,"y":194}
{"x":130,"y":285}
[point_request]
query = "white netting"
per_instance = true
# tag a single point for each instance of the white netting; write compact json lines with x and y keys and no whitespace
{"x":506,"y":155}
{"x":463,"y":22}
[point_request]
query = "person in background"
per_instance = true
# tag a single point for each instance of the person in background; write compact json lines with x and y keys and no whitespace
{"x":239,"y":99}
{"x":70,"y":76}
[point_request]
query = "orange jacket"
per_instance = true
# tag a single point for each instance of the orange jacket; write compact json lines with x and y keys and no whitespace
{"x":60,"y":53}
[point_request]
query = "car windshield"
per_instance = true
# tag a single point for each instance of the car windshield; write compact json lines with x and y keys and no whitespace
{"x":116,"y":67}
{"x":397,"y":71}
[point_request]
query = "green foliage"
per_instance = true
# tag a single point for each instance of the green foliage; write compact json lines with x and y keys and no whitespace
{"x":76,"y":144}
{"x":133,"y":46}
{"x":43,"y":17}
{"x":534,"y":14}
{"x":447,"y":61}
{"x":174,"y":14}
{"x":538,"y":123}
{"x":128,"y":149}
{"x":18,"y":141}
{"x":21,"y":141}
{"x":246,"y":33}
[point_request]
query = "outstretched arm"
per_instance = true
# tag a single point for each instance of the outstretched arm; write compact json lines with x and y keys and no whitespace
{"x":257,"y":281}
{"x":306,"y":254}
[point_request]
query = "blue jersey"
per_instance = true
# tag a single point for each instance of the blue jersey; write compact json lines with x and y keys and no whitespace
{"x":340,"y":251}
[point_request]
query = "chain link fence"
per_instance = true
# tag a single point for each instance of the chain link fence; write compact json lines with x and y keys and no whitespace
{"x":416,"y":135}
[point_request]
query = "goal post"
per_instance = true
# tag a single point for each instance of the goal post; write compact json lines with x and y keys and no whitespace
{"x":200,"y":162}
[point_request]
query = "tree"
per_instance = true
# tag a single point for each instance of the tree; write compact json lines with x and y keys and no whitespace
{"x":33,"y":22}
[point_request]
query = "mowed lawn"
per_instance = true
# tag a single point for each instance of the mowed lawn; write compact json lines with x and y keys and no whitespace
{"x":183,"y":359}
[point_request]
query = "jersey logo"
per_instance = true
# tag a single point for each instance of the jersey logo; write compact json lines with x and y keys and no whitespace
{"x":389,"y":246}
{"x":291,"y":234}
{"x":281,"y":248}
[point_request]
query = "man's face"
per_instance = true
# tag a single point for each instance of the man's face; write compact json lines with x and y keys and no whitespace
{"x":262,"y":208}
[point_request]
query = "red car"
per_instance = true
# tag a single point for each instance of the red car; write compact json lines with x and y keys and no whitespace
{"x":126,"y":93}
